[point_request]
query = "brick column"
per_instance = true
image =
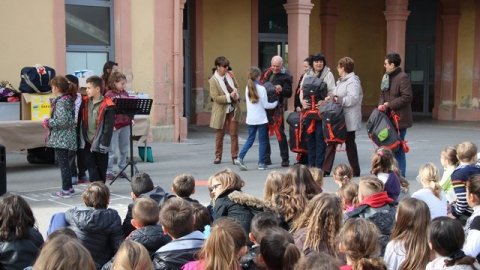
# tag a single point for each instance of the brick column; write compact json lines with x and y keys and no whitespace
{"x":328,"y":18}
{"x":450,"y":20}
{"x":298,"y":12}
{"x":396,"y":14}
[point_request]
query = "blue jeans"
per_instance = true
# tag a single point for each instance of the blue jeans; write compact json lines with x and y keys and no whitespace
{"x":400,"y":154}
{"x":262,"y":139}
{"x":316,"y":146}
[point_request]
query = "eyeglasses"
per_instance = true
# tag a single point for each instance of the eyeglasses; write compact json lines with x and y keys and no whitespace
{"x":212,"y":188}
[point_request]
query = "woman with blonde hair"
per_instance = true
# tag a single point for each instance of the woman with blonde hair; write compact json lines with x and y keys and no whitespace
{"x":431,"y":193}
{"x":132,"y":256}
{"x":318,"y":226}
{"x":408,"y":247}
{"x":64,"y":253}
{"x":223,"y":249}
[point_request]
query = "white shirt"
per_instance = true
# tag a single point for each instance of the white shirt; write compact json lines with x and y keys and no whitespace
{"x":471,"y":247}
{"x":438,"y":206}
{"x":394,"y":254}
{"x":256,"y":114}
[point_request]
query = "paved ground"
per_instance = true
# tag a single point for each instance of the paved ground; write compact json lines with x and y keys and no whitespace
{"x":195,"y":156}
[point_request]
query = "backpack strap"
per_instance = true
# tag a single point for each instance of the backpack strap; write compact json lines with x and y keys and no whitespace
{"x":27,"y":80}
{"x":396,"y":119}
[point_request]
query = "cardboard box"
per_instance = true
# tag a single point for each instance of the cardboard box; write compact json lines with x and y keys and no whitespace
{"x":36,"y":106}
{"x":9,"y":111}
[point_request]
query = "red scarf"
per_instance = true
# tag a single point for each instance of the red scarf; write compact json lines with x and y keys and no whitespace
{"x":377,"y":200}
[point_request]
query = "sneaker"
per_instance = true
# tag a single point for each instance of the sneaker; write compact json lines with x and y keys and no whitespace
{"x":61,"y":194}
{"x":110,"y":176}
{"x":74,"y":180}
{"x":240,"y":164}
{"x":262,"y":167}
{"x":71,"y":191}
{"x":123,"y":175}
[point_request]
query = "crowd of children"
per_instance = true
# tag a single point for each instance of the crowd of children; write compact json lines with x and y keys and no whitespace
{"x":296,"y":225}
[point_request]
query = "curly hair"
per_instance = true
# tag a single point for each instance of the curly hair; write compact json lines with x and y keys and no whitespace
{"x":322,"y":218}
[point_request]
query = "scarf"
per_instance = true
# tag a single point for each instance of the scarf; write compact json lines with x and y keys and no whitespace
{"x":377,"y":200}
{"x":385,"y":84}
{"x":224,"y":88}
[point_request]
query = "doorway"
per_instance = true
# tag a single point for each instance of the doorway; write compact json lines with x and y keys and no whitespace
{"x":420,"y":54}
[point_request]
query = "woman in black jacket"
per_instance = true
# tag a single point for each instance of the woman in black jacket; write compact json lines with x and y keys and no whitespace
{"x":20,"y":241}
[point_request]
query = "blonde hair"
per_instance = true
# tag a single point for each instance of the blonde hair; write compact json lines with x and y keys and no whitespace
{"x":322,"y":218}
{"x":369,"y":185}
{"x":252,"y":89}
{"x":273,"y":184}
{"x":429,"y":176}
{"x":317,"y":175}
{"x":343,"y":172}
{"x":450,"y":155}
{"x":359,"y":240}
{"x":466,"y":151}
{"x":222,"y":246}
{"x":349,"y":193}
{"x":132,"y":256}
{"x":229,"y":180}
{"x":64,"y":253}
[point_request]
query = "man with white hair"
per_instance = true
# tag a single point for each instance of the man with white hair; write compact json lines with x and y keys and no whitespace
{"x":282,"y":80}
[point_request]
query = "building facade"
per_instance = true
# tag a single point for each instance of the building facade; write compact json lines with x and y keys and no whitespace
{"x":167,"y":48}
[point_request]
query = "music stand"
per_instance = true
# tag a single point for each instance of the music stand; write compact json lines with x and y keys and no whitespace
{"x":131,"y":107}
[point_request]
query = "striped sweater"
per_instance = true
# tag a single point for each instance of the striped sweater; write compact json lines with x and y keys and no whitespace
{"x":460,"y":176}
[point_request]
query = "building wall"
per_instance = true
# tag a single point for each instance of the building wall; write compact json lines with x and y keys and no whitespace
{"x":27,"y":37}
{"x":227,"y":32}
{"x":315,"y":29}
{"x":465,"y":54}
{"x":361,"y":35}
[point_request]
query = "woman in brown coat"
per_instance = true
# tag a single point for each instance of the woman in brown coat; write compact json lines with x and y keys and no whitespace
{"x":225,"y":107}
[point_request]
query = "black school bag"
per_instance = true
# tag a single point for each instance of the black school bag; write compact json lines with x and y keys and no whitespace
{"x":383,"y":132}
{"x":333,"y":123}
{"x":36,"y":79}
{"x":297,"y":132}
{"x":314,"y":90}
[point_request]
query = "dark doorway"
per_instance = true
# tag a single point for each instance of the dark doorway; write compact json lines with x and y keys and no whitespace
{"x":420,"y":54}
{"x":188,"y":17}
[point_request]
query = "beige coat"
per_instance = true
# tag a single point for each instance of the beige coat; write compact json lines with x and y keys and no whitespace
{"x":220,"y":105}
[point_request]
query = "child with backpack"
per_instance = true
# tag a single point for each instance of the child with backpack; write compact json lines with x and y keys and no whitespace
{"x":121,"y":129}
{"x":96,"y":121}
{"x":408,"y":247}
{"x":257,"y":102}
{"x":62,"y":135}
{"x":382,"y":163}
{"x":446,"y":239}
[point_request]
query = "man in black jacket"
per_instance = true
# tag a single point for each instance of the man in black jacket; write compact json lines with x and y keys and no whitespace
{"x":176,"y":218}
{"x":281,"y":78}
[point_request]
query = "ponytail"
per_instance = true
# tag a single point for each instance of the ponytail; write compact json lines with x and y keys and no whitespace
{"x":429,"y":177}
{"x":290,"y":256}
{"x":252,"y":89}
{"x":369,"y":264}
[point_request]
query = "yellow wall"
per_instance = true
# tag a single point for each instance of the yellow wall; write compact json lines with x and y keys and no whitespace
{"x":227,"y":32}
{"x":142,"y":45}
{"x":361,"y":35}
{"x":465,"y":53}
{"x":315,"y":28}
{"x":27,"y":37}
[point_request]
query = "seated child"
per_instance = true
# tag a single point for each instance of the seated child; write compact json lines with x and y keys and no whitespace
{"x":317,"y":175}
{"x":184,"y":186}
{"x":278,"y":250}
{"x":203,"y":219}
{"x":132,"y":255}
{"x":449,"y":161}
{"x":261,"y":223}
{"x":176,"y":218}
{"x":342,"y":174}
{"x":98,"y":227}
{"x":349,"y":195}
{"x":376,"y":206}
{"x":142,"y":186}
{"x":467,"y":156}
{"x":382,"y":167}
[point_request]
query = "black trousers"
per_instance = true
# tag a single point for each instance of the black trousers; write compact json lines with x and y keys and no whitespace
{"x":283,"y":145}
{"x":76,"y":162}
{"x":352,"y":154}
{"x":62,"y":160}
{"x":97,"y":164}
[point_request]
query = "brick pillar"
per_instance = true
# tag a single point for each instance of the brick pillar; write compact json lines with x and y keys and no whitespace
{"x":396,"y":14}
{"x":450,"y":20}
{"x":476,"y":57}
{"x":298,"y":12}
{"x":328,"y":18}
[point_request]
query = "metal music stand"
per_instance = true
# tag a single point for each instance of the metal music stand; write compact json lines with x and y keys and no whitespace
{"x":131,"y":107}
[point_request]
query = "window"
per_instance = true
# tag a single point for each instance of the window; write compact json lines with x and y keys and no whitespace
{"x":89,"y":34}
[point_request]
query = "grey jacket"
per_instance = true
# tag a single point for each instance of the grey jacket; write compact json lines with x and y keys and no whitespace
{"x":350,"y":95}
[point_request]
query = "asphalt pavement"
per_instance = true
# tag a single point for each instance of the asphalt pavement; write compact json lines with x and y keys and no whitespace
{"x":195,"y":156}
